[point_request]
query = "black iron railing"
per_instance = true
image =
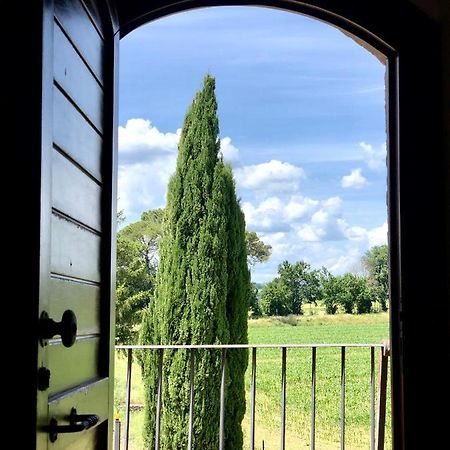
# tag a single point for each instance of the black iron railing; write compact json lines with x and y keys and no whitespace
{"x":377,"y":413}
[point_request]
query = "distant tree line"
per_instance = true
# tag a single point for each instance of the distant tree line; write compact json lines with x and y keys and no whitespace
{"x":298,"y":284}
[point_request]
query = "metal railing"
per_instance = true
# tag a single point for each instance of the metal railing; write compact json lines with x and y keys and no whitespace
{"x":377,"y":412}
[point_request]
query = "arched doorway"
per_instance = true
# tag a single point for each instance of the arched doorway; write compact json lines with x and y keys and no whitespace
{"x":77,"y":59}
{"x":376,"y":25}
{"x":365,"y":34}
{"x":187,"y":52}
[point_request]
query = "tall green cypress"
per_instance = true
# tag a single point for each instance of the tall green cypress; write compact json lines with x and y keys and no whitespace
{"x":202,"y":290}
{"x":238,"y":296}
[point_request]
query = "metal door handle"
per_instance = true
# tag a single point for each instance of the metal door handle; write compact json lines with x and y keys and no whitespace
{"x":67,"y":328}
{"x":77,"y":423}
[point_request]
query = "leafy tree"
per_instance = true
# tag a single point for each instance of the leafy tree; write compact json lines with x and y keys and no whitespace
{"x":136,"y":271}
{"x":202,"y":289}
{"x":147,"y":232}
{"x":254,"y":306}
{"x":376,"y":262}
{"x":295,"y":285}
{"x":302,"y":282}
{"x":331,"y":290}
{"x":276,"y":298}
{"x":257,"y":250}
{"x":363,"y":300}
{"x":354,"y":294}
{"x":347,"y":291}
{"x":120,"y":216}
{"x":134,"y":287}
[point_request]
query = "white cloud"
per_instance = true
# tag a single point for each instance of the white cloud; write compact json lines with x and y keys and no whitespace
{"x":267,"y":216}
{"x":143,"y":186}
{"x":326,"y":224}
{"x":229,"y":151}
{"x":309,"y":229}
{"x":299,"y":208}
{"x":274,"y":215}
{"x":333,"y":204}
{"x":344,"y":262}
{"x":140,"y":141}
{"x":273,"y":176}
{"x":309,"y":220}
{"x":354,"y":180}
{"x":371,"y":237}
{"x":350,"y":260}
{"x":147,"y":159}
{"x":356,"y":233}
{"x":378,"y":235}
{"x":375,"y":159}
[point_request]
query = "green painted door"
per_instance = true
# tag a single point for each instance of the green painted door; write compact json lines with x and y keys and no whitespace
{"x":77,"y":231}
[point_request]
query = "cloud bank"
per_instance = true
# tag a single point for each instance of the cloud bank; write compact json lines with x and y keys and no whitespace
{"x":275,"y":204}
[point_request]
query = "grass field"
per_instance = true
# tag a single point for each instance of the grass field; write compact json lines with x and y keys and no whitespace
{"x":342,"y":328}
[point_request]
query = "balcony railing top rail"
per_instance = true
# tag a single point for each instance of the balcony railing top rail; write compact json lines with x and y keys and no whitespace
{"x":221,"y":346}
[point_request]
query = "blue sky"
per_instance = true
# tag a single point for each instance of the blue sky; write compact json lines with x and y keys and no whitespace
{"x":302,"y":120}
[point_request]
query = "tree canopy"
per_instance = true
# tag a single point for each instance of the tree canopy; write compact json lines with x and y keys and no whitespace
{"x":376,"y":262}
{"x":257,"y":250}
{"x":295,"y":285}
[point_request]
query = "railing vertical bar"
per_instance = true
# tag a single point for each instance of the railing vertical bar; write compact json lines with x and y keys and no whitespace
{"x":117,"y":434}
{"x":252,"y":401}
{"x":372,"y":398}
{"x":128,"y":397}
{"x":313,"y":399}
{"x":382,"y":393}
{"x":342,"y":416}
{"x":283,"y":398}
{"x":158,"y":398}
{"x":191,"y":397}
{"x":222,"y":402}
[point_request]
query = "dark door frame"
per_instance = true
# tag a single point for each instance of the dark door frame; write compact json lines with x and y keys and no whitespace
{"x":412,"y":110}
{"x":417,"y":172}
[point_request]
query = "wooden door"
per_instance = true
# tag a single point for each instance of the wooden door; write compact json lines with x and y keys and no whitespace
{"x":77,"y":228}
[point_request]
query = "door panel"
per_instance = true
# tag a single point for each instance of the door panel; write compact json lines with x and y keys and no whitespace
{"x":75,"y":20}
{"x":75,"y":193}
{"x":85,"y":146}
{"x":89,"y":439}
{"x":72,"y":366}
{"x":78,"y":223}
{"x":65,"y":293}
{"x":75,"y":250}
{"x":73,"y":75}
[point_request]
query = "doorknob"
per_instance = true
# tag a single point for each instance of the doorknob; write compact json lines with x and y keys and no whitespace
{"x":67,"y":328}
{"x":77,"y":423}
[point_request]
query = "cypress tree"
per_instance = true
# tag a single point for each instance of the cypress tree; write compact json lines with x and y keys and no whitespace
{"x":238,"y":297}
{"x":202,"y":290}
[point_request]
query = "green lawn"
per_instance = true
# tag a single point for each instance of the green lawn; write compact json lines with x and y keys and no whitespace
{"x":342,"y":328}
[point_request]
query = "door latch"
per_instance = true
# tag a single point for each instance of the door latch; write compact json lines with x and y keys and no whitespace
{"x":77,"y":423}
